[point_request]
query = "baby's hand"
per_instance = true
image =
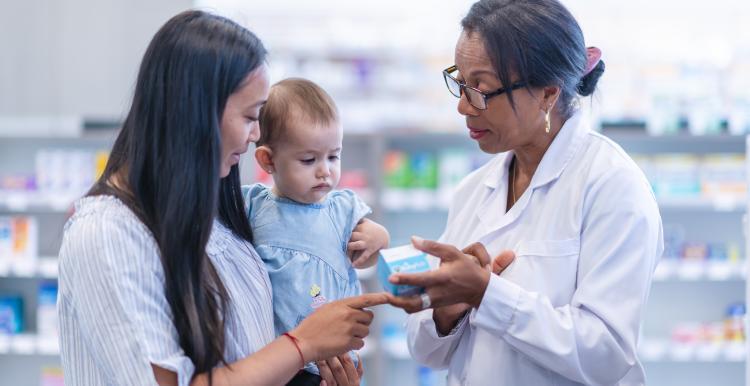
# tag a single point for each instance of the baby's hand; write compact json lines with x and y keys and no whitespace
{"x":367,"y":239}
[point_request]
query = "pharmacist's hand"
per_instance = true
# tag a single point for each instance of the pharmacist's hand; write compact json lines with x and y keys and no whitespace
{"x":448,"y":316}
{"x":337,"y":327}
{"x":367,"y":239}
{"x":340,"y":371}
{"x":461,"y":277}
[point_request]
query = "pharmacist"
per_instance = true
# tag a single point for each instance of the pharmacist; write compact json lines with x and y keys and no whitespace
{"x":575,"y":210}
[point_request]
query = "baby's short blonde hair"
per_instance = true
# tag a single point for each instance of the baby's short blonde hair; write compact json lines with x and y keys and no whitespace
{"x":294,"y":100}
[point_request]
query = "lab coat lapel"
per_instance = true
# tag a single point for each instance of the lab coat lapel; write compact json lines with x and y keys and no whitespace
{"x":491,"y":211}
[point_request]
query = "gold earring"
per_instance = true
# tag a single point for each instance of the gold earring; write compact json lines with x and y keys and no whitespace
{"x":547,"y":127}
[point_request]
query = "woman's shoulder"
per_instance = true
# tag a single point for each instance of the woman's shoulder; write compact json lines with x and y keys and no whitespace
{"x":103,"y":230}
{"x":606,"y":159}
{"x":104,"y":213}
{"x":607,"y":171}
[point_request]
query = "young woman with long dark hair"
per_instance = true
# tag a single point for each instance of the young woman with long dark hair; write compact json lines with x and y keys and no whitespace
{"x":159,"y":282}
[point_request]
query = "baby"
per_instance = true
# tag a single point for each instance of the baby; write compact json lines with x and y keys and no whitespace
{"x":305,"y":231}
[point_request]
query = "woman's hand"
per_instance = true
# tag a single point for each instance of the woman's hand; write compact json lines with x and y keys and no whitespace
{"x":337,"y":327}
{"x":340,"y":371}
{"x":461,"y":278}
{"x":367,"y":239}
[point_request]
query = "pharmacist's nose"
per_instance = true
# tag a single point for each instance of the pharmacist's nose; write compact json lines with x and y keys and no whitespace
{"x":465,"y":108}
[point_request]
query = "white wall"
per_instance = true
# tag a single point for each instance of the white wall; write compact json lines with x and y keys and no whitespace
{"x":75,"y":57}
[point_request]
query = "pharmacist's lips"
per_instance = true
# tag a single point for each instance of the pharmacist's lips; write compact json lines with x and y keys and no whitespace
{"x":476,"y":129}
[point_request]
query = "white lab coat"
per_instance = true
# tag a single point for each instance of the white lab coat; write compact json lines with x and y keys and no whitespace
{"x":587,"y":235}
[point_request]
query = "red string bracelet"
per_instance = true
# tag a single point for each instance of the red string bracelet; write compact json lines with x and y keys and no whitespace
{"x":296,"y":345}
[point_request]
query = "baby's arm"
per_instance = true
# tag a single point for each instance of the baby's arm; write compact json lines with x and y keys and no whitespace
{"x":367,"y":239}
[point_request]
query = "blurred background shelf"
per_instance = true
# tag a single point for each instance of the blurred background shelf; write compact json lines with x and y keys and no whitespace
{"x":39,"y":268}
{"x":20,"y":201}
{"x":29,"y":344}
{"x":661,"y":351}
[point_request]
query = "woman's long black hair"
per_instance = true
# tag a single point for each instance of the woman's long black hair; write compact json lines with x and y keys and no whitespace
{"x":167,"y":160}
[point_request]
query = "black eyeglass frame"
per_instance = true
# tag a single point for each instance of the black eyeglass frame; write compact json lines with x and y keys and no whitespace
{"x":485,"y":95}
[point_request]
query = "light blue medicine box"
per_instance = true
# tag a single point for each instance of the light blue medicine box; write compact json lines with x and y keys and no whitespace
{"x":404,"y":259}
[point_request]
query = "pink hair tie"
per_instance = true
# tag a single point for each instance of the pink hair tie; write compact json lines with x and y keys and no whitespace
{"x":593,"y":56}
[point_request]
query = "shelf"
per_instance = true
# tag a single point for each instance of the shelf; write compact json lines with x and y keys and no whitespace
{"x":654,"y":351}
{"x":672,"y":269}
{"x":423,"y":200}
{"x":29,"y":344}
{"x":716,"y":204}
{"x":36,"y":201}
{"x":683,"y":143}
{"x":40,"y":268}
{"x":414,"y":200}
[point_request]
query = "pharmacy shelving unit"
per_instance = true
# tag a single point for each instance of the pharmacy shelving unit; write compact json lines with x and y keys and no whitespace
{"x":27,"y":358}
{"x":690,"y":292}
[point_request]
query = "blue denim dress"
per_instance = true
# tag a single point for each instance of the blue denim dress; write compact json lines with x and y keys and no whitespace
{"x":304,"y":249}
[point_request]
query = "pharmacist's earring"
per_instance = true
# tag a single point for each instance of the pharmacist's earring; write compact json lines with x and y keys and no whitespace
{"x":546,"y":118}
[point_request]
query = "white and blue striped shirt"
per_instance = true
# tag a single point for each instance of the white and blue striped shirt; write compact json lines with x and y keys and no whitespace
{"x":114,"y":317}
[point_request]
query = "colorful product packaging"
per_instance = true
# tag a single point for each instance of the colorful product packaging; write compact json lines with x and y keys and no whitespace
{"x":403,"y":259}
{"x":11,"y":314}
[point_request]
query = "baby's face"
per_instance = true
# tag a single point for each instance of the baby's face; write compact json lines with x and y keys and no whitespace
{"x":307,"y":161}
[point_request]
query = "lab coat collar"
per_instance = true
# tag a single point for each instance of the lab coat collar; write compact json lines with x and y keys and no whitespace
{"x":562,"y":149}
{"x":555,"y":159}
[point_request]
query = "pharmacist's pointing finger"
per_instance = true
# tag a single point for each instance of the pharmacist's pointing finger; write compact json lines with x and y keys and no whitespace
{"x":444,"y":252}
{"x":423,"y":279}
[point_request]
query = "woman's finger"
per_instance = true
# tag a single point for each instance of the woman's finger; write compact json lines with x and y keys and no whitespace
{"x":357,"y":236}
{"x":356,"y":343}
{"x":351,"y":371}
{"x":339,"y":374}
{"x":360,"y":330}
{"x":478,"y":251}
{"x":360,"y":367}
{"x":364,"y":317}
{"x":366,"y":300}
{"x":325,"y":373}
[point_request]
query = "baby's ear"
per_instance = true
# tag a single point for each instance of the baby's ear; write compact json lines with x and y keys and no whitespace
{"x":264,"y":156}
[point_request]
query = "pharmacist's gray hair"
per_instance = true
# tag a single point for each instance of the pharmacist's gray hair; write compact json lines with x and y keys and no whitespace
{"x":537,"y":40}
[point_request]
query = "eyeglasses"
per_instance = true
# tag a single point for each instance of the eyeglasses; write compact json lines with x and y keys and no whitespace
{"x":476,"y":97}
